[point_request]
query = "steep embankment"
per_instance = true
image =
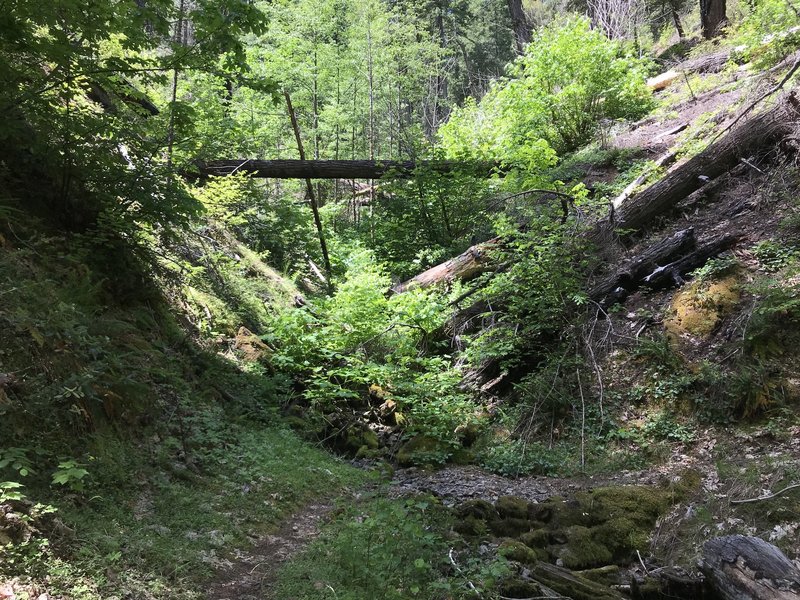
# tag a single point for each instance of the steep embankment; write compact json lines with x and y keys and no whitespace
{"x":135,"y":458}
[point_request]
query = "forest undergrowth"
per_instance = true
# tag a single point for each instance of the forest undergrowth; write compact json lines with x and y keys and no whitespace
{"x":187,"y":361}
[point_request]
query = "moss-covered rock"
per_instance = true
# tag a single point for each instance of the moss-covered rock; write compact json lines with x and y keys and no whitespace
{"x":512,"y":507}
{"x":422,"y":450}
{"x":640,"y":504}
{"x":470,"y":526}
{"x":698,"y":309}
{"x":358,"y":436}
{"x":583,"y":549}
{"x":473,"y":517}
{"x":538,"y":511}
{"x":479,"y":509}
{"x":463,"y":456}
{"x":509,"y":527}
{"x":622,"y":537}
{"x":537,"y":538}
{"x":517,"y":551}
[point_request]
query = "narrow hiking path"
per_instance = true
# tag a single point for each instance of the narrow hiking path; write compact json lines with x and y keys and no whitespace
{"x":250,"y":574}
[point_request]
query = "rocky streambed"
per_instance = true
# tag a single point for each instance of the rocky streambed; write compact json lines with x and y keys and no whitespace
{"x":589,"y":539}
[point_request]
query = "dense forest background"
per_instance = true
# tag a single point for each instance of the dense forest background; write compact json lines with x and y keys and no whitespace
{"x":575,"y":259}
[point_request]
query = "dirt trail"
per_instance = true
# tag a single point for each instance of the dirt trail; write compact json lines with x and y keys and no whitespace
{"x":251,"y":573}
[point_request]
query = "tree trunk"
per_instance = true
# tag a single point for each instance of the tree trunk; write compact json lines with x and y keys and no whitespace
{"x":758,"y":132}
{"x":748,"y":568}
{"x":309,"y":189}
{"x":338,"y":169}
{"x":465,"y":266}
{"x":676,"y":19}
{"x":712,"y":17}
{"x":519,"y":21}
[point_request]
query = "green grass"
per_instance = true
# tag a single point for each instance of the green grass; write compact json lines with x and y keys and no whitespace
{"x":148,"y":525}
{"x":380,"y":548}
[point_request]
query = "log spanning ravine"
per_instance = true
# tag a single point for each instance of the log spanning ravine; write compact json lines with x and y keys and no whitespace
{"x":341,"y":169}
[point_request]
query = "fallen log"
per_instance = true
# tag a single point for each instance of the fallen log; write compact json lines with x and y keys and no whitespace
{"x":754,"y":134}
{"x":670,"y":583}
{"x":662,"y":265}
{"x":618,"y":285}
{"x":674,"y":271}
{"x":339,"y":169}
{"x":570,"y":584}
{"x":748,"y":568}
{"x":467,"y":265}
{"x":662,"y":161}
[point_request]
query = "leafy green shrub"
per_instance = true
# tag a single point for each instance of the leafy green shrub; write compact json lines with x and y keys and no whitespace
{"x":716,"y":268}
{"x":359,"y":338}
{"x":766,"y":31}
{"x":517,"y":458}
{"x":570,"y":78}
{"x":773,"y":255}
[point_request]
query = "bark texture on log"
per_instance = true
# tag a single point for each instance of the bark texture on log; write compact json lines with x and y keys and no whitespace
{"x":615,"y":287}
{"x":338,"y":169}
{"x":748,"y":568}
{"x":758,"y":132}
{"x":467,"y":265}
{"x":661,"y":265}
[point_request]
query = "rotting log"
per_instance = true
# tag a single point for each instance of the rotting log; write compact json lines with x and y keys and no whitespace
{"x":570,"y":584}
{"x":752,"y":135}
{"x":661,"y":265}
{"x":670,"y":583}
{"x":340,"y":169}
{"x":467,"y":265}
{"x":748,"y":568}
{"x":623,"y":281}
{"x":674,"y":271}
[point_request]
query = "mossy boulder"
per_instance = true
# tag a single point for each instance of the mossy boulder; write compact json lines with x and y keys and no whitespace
{"x":517,"y":551}
{"x":361,"y":436}
{"x":463,"y":456}
{"x":540,"y":511}
{"x":566,"y":513}
{"x":519,"y":588}
{"x":422,"y":450}
{"x":583,"y":549}
{"x":512,"y":507}
{"x":473,"y":517}
{"x":370,"y":453}
{"x":470,"y":526}
{"x":537,"y":538}
{"x":641,"y":504}
{"x":622,"y":537}
{"x":699,"y":308}
{"x":509,"y":527}
{"x":479,"y":509}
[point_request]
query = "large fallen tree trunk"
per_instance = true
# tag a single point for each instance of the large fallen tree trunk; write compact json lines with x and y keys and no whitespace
{"x":758,"y":132}
{"x":661,"y":265}
{"x":340,"y":169}
{"x":616,"y":286}
{"x":467,"y":265}
{"x":748,"y":568}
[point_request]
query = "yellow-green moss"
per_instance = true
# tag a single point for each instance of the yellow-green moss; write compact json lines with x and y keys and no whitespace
{"x":584,"y":549}
{"x":698,"y":309}
{"x":515,"y":550}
